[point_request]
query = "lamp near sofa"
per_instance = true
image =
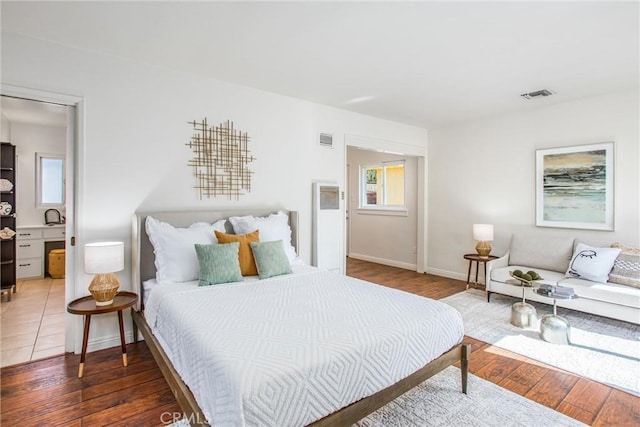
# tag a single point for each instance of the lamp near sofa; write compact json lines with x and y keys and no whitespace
{"x":483,"y":233}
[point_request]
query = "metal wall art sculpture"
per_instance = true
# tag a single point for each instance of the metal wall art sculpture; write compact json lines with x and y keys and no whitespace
{"x":221,"y":159}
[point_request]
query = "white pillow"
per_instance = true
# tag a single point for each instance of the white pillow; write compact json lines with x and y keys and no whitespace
{"x":592,"y":263}
{"x":271,"y":228}
{"x":176,"y":259}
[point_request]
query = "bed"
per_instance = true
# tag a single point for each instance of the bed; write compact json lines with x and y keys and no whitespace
{"x":310,"y":347}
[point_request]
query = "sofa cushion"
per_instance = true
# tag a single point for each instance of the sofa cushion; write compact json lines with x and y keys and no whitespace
{"x":626,"y":269}
{"x":538,"y":251}
{"x":592,"y":263}
{"x":607,"y":292}
{"x":501,"y":274}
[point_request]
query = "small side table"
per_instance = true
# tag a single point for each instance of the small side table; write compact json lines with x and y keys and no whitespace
{"x":478,"y":259}
{"x":86,"y":306}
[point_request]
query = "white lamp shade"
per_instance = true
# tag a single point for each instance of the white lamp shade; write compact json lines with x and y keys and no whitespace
{"x":103,"y":257}
{"x":483,"y":232}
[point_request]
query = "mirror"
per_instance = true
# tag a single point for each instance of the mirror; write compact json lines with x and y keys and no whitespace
{"x":53,"y":216}
{"x":50,"y":184}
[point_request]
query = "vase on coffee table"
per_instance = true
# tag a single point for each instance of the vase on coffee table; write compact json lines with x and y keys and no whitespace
{"x":523,"y":314}
{"x":553,"y":328}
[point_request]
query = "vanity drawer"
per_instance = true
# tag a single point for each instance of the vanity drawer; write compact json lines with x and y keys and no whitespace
{"x":56,"y":233}
{"x":30,"y":267}
{"x":30,"y":248}
{"x":29,"y":234}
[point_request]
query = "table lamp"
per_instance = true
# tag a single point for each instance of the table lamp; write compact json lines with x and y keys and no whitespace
{"x":103,"y":259}
{"x":483,"y":233}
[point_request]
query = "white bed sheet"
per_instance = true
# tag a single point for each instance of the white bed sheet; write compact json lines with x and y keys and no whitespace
{"x":292,"y":349}
{"x":149,"y":285}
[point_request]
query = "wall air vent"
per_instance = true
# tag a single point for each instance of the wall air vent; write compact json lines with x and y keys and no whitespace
{"x":538,"y":94}
{"x":326,"y":140}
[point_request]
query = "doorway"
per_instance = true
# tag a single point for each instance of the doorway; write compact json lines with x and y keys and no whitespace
{"x":35,"y":320}
{"x":404,"y":225}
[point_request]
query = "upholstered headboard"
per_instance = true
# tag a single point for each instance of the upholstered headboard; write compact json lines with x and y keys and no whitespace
{"x":142,"y":256}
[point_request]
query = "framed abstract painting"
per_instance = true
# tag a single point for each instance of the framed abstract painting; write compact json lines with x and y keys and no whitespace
{"x":574,"y":187}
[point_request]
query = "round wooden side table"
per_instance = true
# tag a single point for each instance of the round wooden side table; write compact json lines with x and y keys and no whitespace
{"x":86,"y":306}
{"x":478,"y":259}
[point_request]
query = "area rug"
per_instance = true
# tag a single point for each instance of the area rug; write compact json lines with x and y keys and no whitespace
{"x":439,"y":402}
{"x":604,"y":350}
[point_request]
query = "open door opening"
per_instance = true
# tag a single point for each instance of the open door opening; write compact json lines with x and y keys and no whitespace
{"x":385,"y":202}
{"x":42,"y":127}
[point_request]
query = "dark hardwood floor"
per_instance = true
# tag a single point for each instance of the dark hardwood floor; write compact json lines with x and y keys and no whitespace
{"x":587,"y":401}
{"x":48,"y":392}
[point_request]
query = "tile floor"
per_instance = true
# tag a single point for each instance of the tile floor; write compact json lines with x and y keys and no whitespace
{"x":32,"y":325}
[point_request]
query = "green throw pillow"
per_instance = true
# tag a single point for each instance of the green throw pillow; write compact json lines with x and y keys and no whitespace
{"x":219,"y":263}
{"x":270,"y":258}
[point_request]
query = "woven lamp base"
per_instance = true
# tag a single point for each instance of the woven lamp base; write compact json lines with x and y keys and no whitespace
{"x":104,"y":288}
{"x":483,"y":248}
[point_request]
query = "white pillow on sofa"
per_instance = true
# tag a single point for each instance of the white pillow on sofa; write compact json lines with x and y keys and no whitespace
{"x":592,"y":263}
{"x":273,"y":227}
{"x":176,"y":258}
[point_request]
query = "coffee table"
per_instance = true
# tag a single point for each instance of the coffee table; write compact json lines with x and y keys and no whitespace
{"x":553,"y":328}
{"x":523,"y":315}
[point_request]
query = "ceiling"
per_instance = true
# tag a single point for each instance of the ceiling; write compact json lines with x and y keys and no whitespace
{"x":33,"y":112}
{"x":422,"y":63}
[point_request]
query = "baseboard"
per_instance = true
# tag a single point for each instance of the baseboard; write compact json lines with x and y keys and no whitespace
{"x":383,"y":261}
{"x":451,"y":274}
{"x":413,"y":267}
{"x":108,"y":342}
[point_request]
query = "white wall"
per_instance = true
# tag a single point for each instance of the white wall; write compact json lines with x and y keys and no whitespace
{"x":133,"y":154}
{"x":380,"y":237}
{"x":484,"y":172}
{"x":30,"y":139}
{"x":6,"y":129}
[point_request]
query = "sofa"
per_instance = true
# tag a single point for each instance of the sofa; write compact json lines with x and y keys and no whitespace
{"x":615,"y":295}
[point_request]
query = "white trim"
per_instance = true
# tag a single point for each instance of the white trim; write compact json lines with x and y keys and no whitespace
{"x":362,"y":196}
{"x":39,"y":95}
{"x":111,"y":341}
{"x":421,"y":213}
{"x":383,"y":261}
{"x":74,"y":167}
{"x":408,"y":150}
{"x":450,"y":274}
{"x":56,"y":156}
{"x":384,"y":146}
{"x":382,"y":211}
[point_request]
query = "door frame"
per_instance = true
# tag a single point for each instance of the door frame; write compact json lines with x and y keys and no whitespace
{"x":73,"y":206}
{"x":393,"y":147}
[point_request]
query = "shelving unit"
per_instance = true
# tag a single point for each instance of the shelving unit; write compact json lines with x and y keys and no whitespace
{"x":8,"y":246}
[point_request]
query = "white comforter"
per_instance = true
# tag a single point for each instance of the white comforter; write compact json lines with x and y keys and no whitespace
{"x":292,"y":349}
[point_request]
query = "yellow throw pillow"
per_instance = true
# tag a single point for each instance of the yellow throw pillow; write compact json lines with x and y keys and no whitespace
{"x":245,"y":255}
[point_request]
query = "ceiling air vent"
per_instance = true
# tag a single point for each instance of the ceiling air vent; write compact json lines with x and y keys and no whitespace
{"x":537,"y":94}
{"x":326,"y":140}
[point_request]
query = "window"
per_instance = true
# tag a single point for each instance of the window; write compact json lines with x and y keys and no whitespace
{"x":50,"y":185}
{"x":382,"y":185}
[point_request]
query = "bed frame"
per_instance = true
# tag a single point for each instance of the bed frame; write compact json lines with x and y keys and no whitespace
{"x":144,"y":268}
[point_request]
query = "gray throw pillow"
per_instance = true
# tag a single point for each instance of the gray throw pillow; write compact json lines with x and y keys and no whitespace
{"x":270,"y":258}
{"x":219,"y":263}
{"x":626,"y":269}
